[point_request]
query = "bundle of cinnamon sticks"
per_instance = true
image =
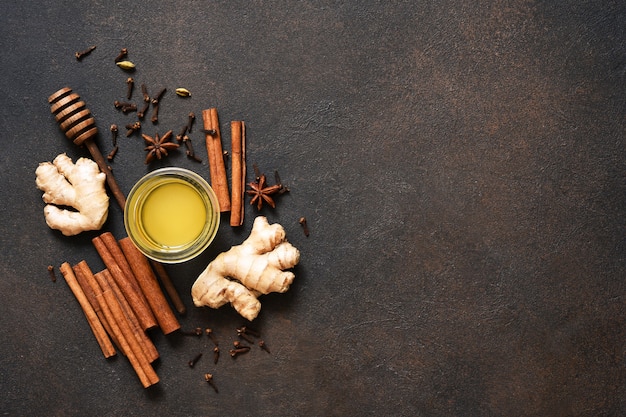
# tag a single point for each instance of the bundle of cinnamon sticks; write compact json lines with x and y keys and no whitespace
{"x":122,"y":302}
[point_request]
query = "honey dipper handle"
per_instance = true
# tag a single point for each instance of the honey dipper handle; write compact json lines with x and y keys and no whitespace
{"x":104,"y":167}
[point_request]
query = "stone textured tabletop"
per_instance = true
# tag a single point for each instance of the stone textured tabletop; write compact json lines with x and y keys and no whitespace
{"x":461,"y":166}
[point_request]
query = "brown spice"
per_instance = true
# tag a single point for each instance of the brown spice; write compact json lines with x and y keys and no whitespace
{"x":129,"y":88}
{"x":111,"y":154}
{"x":158,"y":146}
{"x":238,"y":172}
{"x":132,"y":128}
{"x":123,"y":54}
{"x":217,"y":168}
{"x":94,"y":322}
{"x":114,"y":131}
{"x":80,"y":55}
{"x":53,"y":276}
{"x":305,"y":228}
{"x":147,"y":280}
{"x":261,"y":192}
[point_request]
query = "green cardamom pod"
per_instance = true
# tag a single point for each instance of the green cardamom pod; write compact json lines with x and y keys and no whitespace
{"x":125,"y":65}
{"x":183,"y":92}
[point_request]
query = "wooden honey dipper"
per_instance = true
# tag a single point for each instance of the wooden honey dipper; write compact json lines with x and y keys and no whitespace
{"x":79,"y":126}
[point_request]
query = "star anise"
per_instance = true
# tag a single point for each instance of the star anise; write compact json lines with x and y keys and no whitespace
{"x":262,"y":192}
{"x":158,"y":146}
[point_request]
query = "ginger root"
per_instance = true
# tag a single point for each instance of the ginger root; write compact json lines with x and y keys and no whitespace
{"x":248,"y":270}
{"x":80,"y":186}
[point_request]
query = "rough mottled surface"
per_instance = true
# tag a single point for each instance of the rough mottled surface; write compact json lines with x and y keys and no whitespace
{"x":461,"y":166}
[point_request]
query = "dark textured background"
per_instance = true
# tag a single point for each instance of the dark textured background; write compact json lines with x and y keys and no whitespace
{"x":461,"y":164}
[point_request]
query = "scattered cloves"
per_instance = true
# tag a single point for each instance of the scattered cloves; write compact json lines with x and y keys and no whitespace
{"x":53,"y":276}
{"x":305,"y":228}
{"x":209,"y":332}
{"x":144,"y":91}
{"x":130,"y":83}
{"x":263,"y":346}
{"x":195,"y":359}
{"x":209,"y":379}
{"x":210,"y":132}
{"x":144,"y":109}
{"x":114,"y":131}
{"x":80,"y":55}
{"x":125,"y":106}
{"x":190,"y":121}
{"x":257,"y":172}
{"x":155,"y":105}
{"x":132,"y":128}
{"x":194,"y":332}
{"x":113,"y":152}
{"x":193,"y":157}
{"x":123,"y":54}
{"x":188,"y":145}
{"x":238,"y":345}
{"x":244,"y":337}
{"x":181,"y":135}
{"x":248,"y":330}
{"x":239,"y":351}
{"x":216,"y":354}
{"x":283,"y":188}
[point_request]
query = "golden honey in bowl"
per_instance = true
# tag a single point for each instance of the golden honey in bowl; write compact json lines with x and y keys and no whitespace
{"x":171,"y":215}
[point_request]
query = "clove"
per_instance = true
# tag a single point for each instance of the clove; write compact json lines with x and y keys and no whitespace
{"x":193,"y":157}
{"x":283,"y":188}
{"x":244,"y":337}
{"x":190,"y":121}
{"x":132,"y":128}
{"x":123,"y":54}
{"x":155,"y":105}
{"x":239,"y":351}
{"x":182,"y":134}
{"x":130,"y":83}
{"x":238,"y":345}
{"x":195,"y":332}
{"x":216,"y":354}
{"x":144,"y":109}
{"x":209,"y":379}
{"x":195,"y":359}
{"x":209,"y":332}
{"x":305,"y":228}
{"x":80,"y":55}
{"x":53,"y":276}
{"x":125,"y":106}
{"x":112,"y":154}
{"x":263,"y":346}
{"x":248,"y":330}
{"x":114,"y":131}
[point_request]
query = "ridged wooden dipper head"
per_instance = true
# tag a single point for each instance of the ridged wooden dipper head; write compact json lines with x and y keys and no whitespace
{"x":72,"y":115}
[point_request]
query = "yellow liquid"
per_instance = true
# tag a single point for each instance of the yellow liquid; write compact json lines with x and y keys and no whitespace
{"x":173,"y":214}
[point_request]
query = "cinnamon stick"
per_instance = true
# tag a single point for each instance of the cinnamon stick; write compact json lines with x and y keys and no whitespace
{"x":94,"y":323}
{"x":142,"y":338}
{"x":170,"y":289}
{"x":149,"y":285}
{"x":217,"y":168}
{"x":122,"y":330}
{"x":83,"y":273}
{"x":238,"y":167}
{"x":131,"y":293}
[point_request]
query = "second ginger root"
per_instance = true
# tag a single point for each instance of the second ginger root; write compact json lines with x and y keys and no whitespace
{"x":244,"y":272}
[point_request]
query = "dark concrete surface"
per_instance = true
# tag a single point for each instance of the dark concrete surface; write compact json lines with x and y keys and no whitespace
{"x":461,"y":166}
